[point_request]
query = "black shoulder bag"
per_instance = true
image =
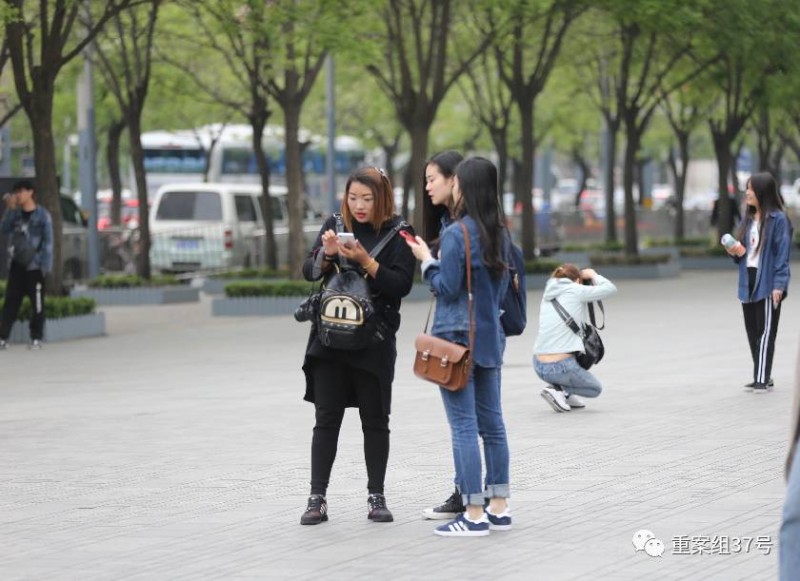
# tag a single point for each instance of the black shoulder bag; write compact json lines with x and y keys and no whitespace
{"x":593,"y":349}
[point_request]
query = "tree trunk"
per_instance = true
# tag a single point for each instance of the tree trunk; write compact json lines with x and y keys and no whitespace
{"x":294,"y":181}
{"x":137,"y":159}
{"x":419,"y":155}
{"x":628,"y":170}
{"x":44,"y":161}
{"x":258,"y":121}
{"x":526,"y":181}
{"x":114,"y":173}
{"x":679,"y":177}
{"x":722,"y":149}
{"x":611,"y":162}
{"x":500,"y":141}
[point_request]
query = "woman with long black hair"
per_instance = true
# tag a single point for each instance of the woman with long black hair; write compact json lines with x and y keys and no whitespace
{"x":764,"y":242}
{"x":474,"y":411}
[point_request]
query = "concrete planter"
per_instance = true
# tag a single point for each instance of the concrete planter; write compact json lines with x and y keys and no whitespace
{"x":673,"y":251}
{"x":420,"y":291}
{"x":65,"y":329}
{"x":579,"y":258}
{"x":536,"y":281}
{"x":613,"y":272}
{"x":162,"y":295}
{"x":707,"y":263}
{"x":216,"y":286}
{"x":255,"y":306}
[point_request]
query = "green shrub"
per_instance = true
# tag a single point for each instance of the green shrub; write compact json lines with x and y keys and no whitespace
{"x":622,"y":259}
{"x":58,"y":307}
{"x":289,"y":288}
{"x":610,"y":246}
{"x":700,"y":251}
{"x":252,"y":273}
{"x":2,"y":288}
{"x":131,"y":281}
{"x":541,"y":266}
{"x":681,"y":242}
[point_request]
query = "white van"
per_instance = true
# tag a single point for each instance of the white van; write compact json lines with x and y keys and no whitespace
{"x":215,"y":226}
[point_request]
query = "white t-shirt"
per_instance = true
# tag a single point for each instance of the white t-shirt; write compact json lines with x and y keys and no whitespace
{"x":752,"y":254}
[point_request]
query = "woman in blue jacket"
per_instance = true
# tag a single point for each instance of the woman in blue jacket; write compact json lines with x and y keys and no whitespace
{"x":476,"y":409}
{"x":762,"y":253}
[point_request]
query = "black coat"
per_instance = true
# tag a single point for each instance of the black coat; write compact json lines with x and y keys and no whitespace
{"x":393,"y":281}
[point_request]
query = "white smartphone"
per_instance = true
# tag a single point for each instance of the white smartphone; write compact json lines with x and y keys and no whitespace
{"x":345,"y":237}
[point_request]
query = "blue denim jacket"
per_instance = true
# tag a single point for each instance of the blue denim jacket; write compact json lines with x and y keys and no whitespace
{"x":447,"y":279}
{"x":773,"y":265}
{"x":39,"y":233}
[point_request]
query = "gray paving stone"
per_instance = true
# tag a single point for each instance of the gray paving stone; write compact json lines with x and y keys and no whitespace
{"x":178,"y":448}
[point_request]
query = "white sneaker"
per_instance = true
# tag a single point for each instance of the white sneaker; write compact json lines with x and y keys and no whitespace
{"x":556,"y":399}
{"x":3,"y":345}
{"x":575,"y":402}
{"x":35,"y":345}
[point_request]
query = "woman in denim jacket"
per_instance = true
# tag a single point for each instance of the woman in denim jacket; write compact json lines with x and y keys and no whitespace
{"x":762,"y":251}
{"x":476,"y":409}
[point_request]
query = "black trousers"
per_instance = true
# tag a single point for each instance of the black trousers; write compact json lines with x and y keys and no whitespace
{"x":22,"y":283}
{"x":334,"y":385}
{"x":761,"y":323}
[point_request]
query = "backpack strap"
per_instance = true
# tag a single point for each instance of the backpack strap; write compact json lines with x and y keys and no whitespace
{"x":386,"y":239}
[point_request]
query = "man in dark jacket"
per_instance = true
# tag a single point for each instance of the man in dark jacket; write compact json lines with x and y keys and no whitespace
{"x":29,"y":228}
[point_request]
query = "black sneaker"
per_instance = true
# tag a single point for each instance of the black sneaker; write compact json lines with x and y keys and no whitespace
{"x":750,"y":386}
{"x":316,"y":511}
{"x":448,"y":510}
{"x":761,"y":387}
{"x":377,"y":508}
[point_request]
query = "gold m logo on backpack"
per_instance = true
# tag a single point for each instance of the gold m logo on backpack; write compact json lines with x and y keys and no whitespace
{"x":341,"y":310}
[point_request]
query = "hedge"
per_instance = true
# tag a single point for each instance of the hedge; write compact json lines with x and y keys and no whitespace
{"x":698,"y":252}
{"x":269,"y":289}
{"x":541,"y":266}
{"x":58,"y":307}
{"x":621,"y":259}
{"x":252,"y":273}
{"x":131,"y":281}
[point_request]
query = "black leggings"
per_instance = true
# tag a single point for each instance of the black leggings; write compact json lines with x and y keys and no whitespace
{"x":334,"y":385}
{"x":761,"y":323}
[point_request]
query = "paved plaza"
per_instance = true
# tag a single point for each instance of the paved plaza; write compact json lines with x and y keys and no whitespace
{"x":177,"y":448}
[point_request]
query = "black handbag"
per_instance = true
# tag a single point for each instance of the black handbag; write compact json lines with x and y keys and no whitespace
{"x":593,"y":348}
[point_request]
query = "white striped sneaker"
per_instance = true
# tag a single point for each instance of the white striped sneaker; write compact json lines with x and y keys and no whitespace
{"x":575,"y":402}
{"x":463,"y":527}
{"x":556,"y":399}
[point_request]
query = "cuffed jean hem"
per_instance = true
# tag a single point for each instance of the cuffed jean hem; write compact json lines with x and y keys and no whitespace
{"x":497,"y":491}
{"x":473,"y":499}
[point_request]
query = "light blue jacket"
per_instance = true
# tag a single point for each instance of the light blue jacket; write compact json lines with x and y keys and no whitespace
{"x":773,"y":264}
{"x":38,"y":230}
{"x":554,"y":334}
{"x":447,"y":279}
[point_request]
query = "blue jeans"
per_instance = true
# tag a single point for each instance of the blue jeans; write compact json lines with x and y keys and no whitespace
{"x":569,"y":375}
{"x":474,"y":411}
{"x":790,"y":525}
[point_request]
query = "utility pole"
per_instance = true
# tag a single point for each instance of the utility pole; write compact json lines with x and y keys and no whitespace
{"x":87,"y":147}
{"x":330,"y":113}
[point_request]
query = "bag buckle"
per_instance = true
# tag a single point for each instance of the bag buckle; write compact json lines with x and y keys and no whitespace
{"x":425,"y":355}
{"x":444,"y":362}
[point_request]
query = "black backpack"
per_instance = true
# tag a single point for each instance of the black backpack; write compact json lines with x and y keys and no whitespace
{"x":346,"y":315}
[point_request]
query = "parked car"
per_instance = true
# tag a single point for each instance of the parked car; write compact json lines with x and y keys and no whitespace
{"x":218,"y":226}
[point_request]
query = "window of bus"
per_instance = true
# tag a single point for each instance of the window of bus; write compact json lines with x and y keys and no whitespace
{"x":174,"y":160}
